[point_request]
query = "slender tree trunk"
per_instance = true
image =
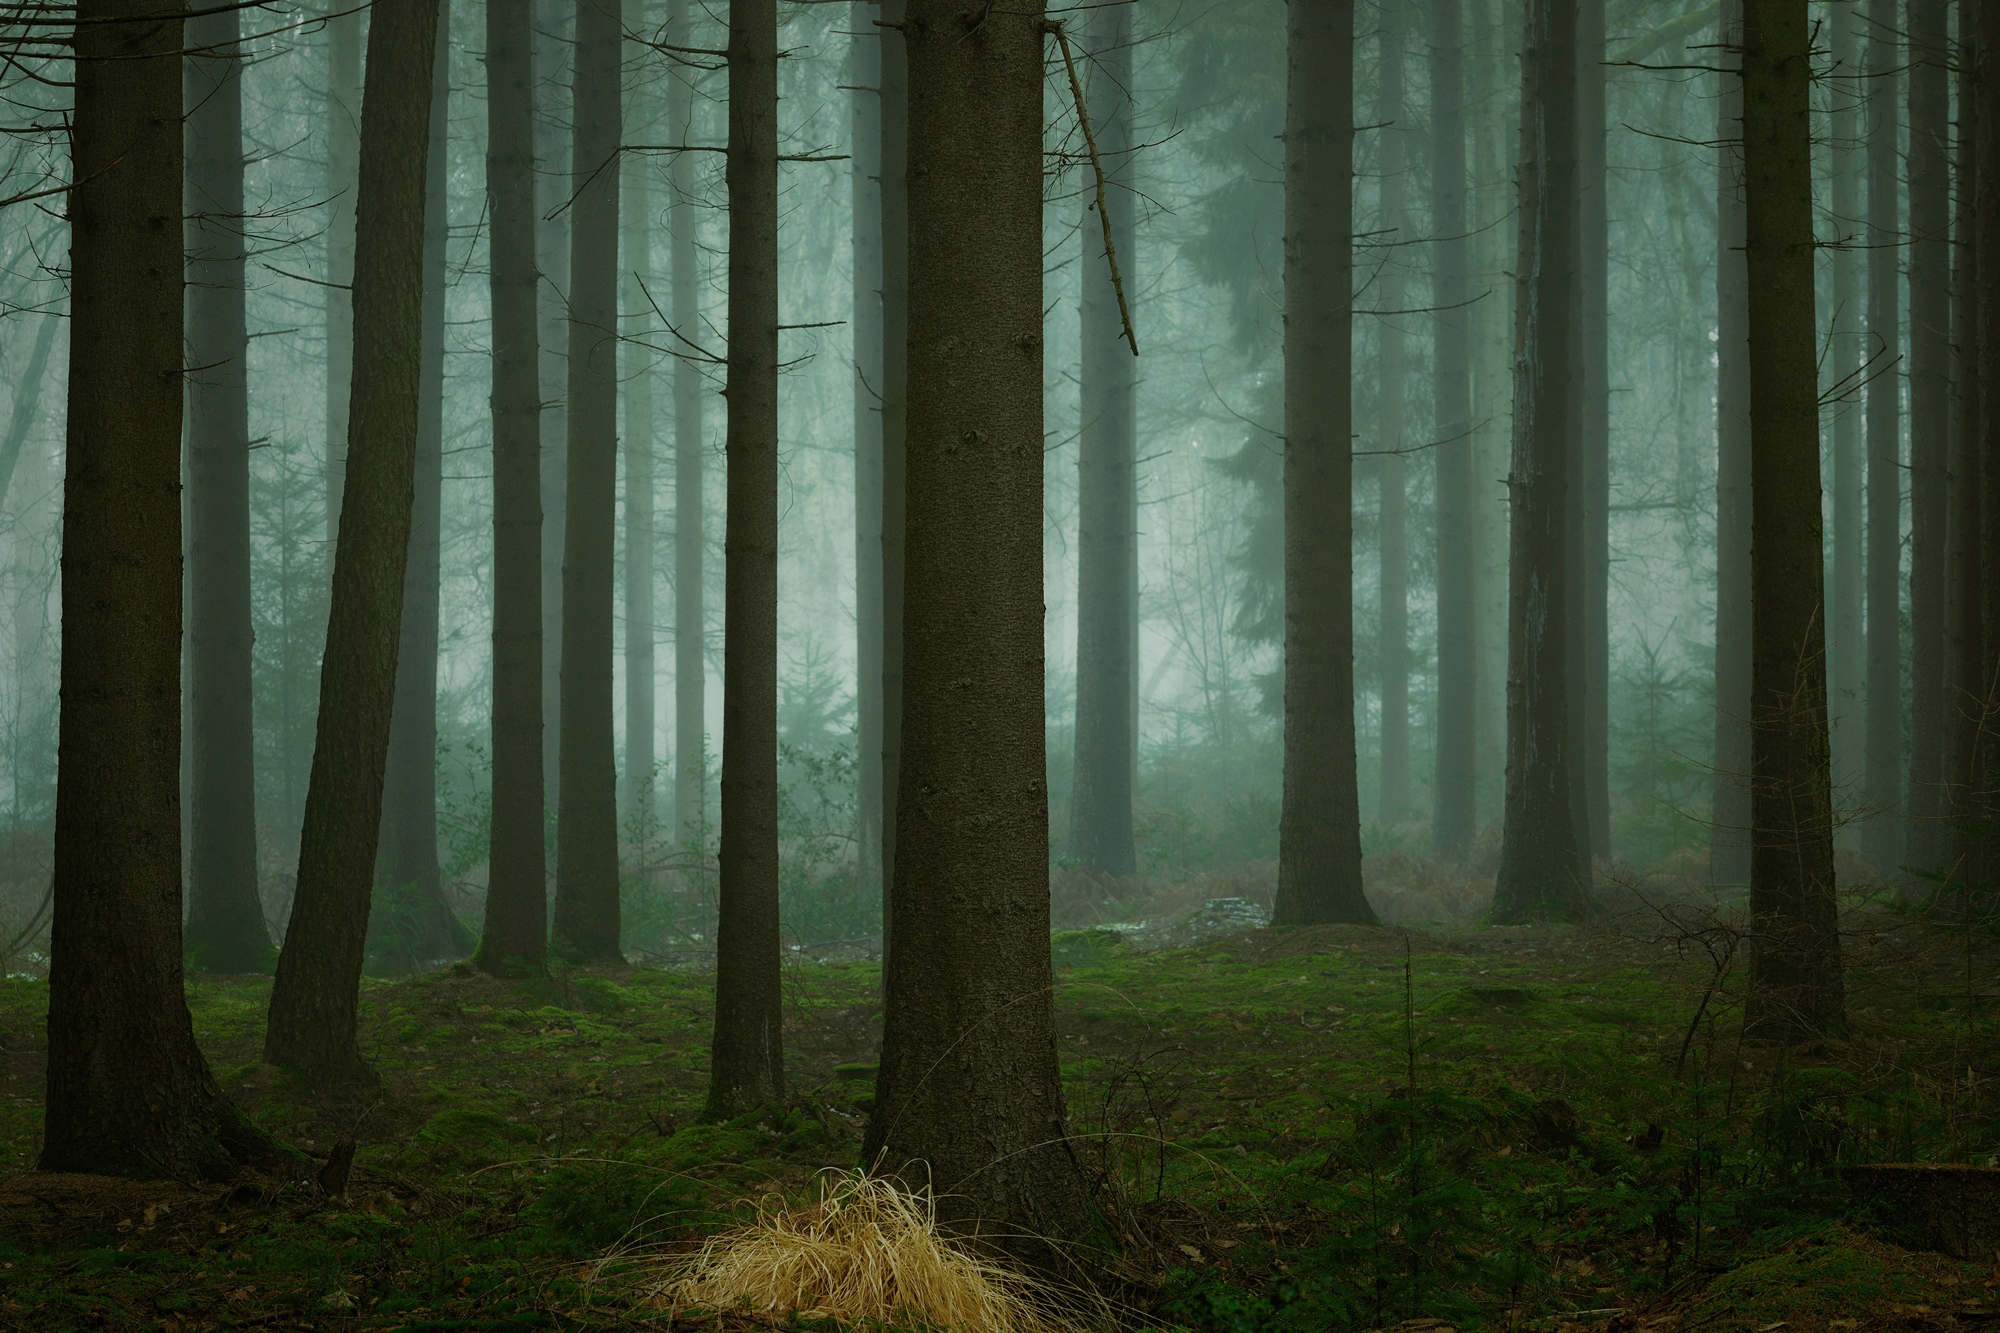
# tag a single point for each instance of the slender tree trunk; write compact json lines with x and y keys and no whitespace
{"x":1393,"y":639}
{"x":225,"y":926}
{"x":1965,"y":611}
{"x":129,"y":1092}
{"x":895,"y":423}
{"x":1454,"y":817}
{"x":1795,"y":978}
{"x":27,"y":401}
{"x":1541,"y":874}
{"x":1729,"y":832}
{"x":553,"y":114}
{"x":969,"y":1098}
{"x":1101,"y":798}
{"x":640,"y":687}
{"x":865,"y":54}
{"x":312,"y":1018}
{"x":1882,"y":781}
{"x":1319,"y":825}
{"x":747,"y":1069}
{"x":1492,"y":203}
{"x":516,"y":882}
{"x":1591,"y":468}
{"x":1847,"y":641}
{"x":690,"y":661}
{"x":343,"y":165}
{"x":587,"y":910}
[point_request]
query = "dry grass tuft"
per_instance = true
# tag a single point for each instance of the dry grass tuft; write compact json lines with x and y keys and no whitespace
{"x":867,"y":1251}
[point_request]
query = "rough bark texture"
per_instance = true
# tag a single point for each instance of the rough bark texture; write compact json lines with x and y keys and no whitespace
{"x":1985,"y":794}
{"x":1392,"y":646}
{"x":1846,"y":656}
{"x":1100,"y":820}
{"x":225,"y":926}
{"x":1795,"y":981}
{"x":1319,"y":824}
{"x":969,"y":1098}
{"x":895,"y":422}
{"x":343,"y":165}
{"x":747,"y":1069}
{"x":553,"y":25}
{"x":587,"y":911}
{"x":1541,"y":871}
{"x":312,"y":1019}
{"x":865,"y":54}
{"x":690,"y":662}
{"x":515,"y":934}
{"x":1882,"y":776}
{"x":641,"y":369}
{"x":1591,"y":467}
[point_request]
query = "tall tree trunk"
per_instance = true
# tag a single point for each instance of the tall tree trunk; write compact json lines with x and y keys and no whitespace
{"x":895,"y":423}
{"x":1846,"y":640}
{"x":1590,"y":562}
{"x":1454,"y":815}
{"x":27,"y":401}
{"x":553,"y":184}
{"x":516,"y":927}
{"x":1100,"y":822}
{"x":1795,"y":980}
{"x":640,"y":687}
{"x":1319,"y":824}
{"x":1986,"y":361}
{"x":343,"y":165}
{"x":690,"y":634}
{"x":865,"y":55}
{"x":1492,"y":385}
{"x":1729,"y":811}
{"x":1392,"y":648}
{"x":1965,"y":610}
{"x":312,"y":1019}
{"x":969,"y":1097}
{"x":747,"y":1069}
{"x":129,"y":1092}
{"x":1541,"y":871}
{"x":587,"y":910}
{"x":1882,"y":780}
{"x":1930,"y":418}
{"x":225,"y":926}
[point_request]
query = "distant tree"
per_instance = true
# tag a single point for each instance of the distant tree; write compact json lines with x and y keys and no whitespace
{"x":1729,"y":817}
{"x":865,"y":53}
{"x":1962,"y":855}
{"x":1882,"y":780}
{"x":1590,"y":463}
{"x":1392,"y":649}
{"x":552,"y":45}
{"x":312,"y":1017}
{"x":343,"y":151}
{"x":1846,"y":655}
{"x":690,"y":627}
{"x":636,"y":202}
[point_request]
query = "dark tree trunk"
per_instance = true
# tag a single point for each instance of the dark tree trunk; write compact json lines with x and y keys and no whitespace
{"x":1846,"y":658}
{"x":1454,"y":817}
{"x":343,"y":152}
{"x":516,"y":879}
{"x":1541,"y":871}
{"x":1882,"y":779}
{"x":1795,"y":981}
{"x":1729,"y":831}
{"x":690,"y":661}
{"x":1100,"y":821}
{"x":1961,"y":859}
{"x":1590,"y":557}
{"x":129,"y":1093}
{"x":225,"y":926}
{"x":641,"y":688}
{"x":312,"y":1019}
{"x":747,"y":1069}
{"x":586,"y":922}
{"x":1392,"y":648}
{"x":969,"y":1098}
{"x":895,"y":422}
{"x":553,"y":113}
{"x":866,"y":75}
{"x":1319,"y":825}
{"x":1986,"y":360}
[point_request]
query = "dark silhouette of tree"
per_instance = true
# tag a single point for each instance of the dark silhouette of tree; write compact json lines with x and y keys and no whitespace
{"x":1846,"y":647}
{"x":343,"y":151}
{"x":1590,"y":462}
{"x":895,"y":426}
{"x":690,"y":634}
{"x":1392,"y":647}
{"x":1962,"y":854}
{"x":641,"y":689}
{"x":1729,"y":811}
{"x":553,"y":48}
{"x":1882,"y":775}
{"x":865,"y":74}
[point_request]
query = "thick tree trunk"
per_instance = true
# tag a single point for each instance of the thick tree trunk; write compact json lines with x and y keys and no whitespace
{"x":747,"y":1068}
{"x":969,"y":1098}
{"x":690,"y":661}
{"x":587,"y":910}
{"x":1392,"y":649}
{"x":1590,"y":556}
{"x":1729,"y":830}
{"x":128,"y":1090}
{"x":641,"y":369}
{"x":1882,"y":777}
{"x":1319,"y":825}
{"x":1846,"y":640}
{"x":1960,"y":858}
{"x":312,"y":1019}
{"x":865,"y":55}
{"x":1542,"y":874}
{"x":1795,"y":976}
{"x":515,"y":933}
{"x":1454,"y":816}
{"x":343,"y":165}
{"x":895,"y":423}
{"x":1100,"y":821}
{"x":225,"y":926}
{"x":552,"y":48}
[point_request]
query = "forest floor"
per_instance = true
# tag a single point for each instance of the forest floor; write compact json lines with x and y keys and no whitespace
{"x":1325,"y":1128}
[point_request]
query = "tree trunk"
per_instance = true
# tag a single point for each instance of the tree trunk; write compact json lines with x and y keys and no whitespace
{"x":1319,"y":824}
{"x":27,"y":401}
{"x":552,"y":56}
{"x":1961,"y":857}
{"x":1882,"y":779}
{"x":516,"y":928}
{"x":1541,"y":873}
{"x":587,"y":910}
{"x":1492,"y":203}
{"x":690,"y":661}
{"x":865,"y":53}
{"x":1454,"y":814}
{"x":343,"y":165}
{"x":1729,"y":830}
{"x":225,"y":926}
{"x":1591,"y":504}
{"x":1986,"y":355}
{"x":640,"y":687}
{"x":1846,"y":640}
{"x":969,"y":1099}
{"x":312,"y":1019}
{"x":747,"y":1069}
{"x":1795,"y":982}
{"x":1100,"y":821}
{"x":128,"y":1090}
{"x":1392,"y":648}
{"x":895,"y":423}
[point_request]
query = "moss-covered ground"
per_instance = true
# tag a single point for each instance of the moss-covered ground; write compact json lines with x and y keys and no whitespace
{"x":1337,"y":1128}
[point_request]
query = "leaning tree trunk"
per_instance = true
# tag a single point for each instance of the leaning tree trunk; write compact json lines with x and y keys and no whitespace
{"x":225,"y":926}
{"x":1961,"y":851}
{"x":969,"y":1098}
{"x":641,"y":689}
{"x":747,"y":1069}
{"x":1882,"y":776}
{"x":515,"y":933}
{"x":1541,"y":871}
{"x":1795,"y":981}
{"x":1319,"y":824}
{"x":1846,"y":642}
{"x":586,"y":922}
{"x":343,"y":149}
{"x":1100,"y":821}
{"x":312,"y":1019}
{"x":690,"y":636}
{"x":865,"y":51}
{"x":1590,"y":554}
{"x":129,"y":1093}
{"x":1392,"y":648}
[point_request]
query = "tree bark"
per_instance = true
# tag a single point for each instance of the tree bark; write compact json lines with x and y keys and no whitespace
{"x":343,"y":165}
{"x":225,"y":926}
{"x":1319,"y":824}
{"x":514,"y":938}
{"x":586,"y":922}
{"x":1795,"y":975}
{"x":1986,"y":356}
{"x":640,"y":687}
{"x":312,"y":1018}
{"x":865,"y":53}
{"x":895,"y":424}
{"x":1541,"y":870}
{"x":553,"y":184}
{"x":1591,"y":467}
{"x":747,"y":1067}
{"x":1729,"y":830}
{"x":969,"y":1098}
{"x":1846,"y":639}
{"x":1392,"y":647}
{"x":1882,"y":781}
{"x":690,"y":661}
{"x":1961,"y":859}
